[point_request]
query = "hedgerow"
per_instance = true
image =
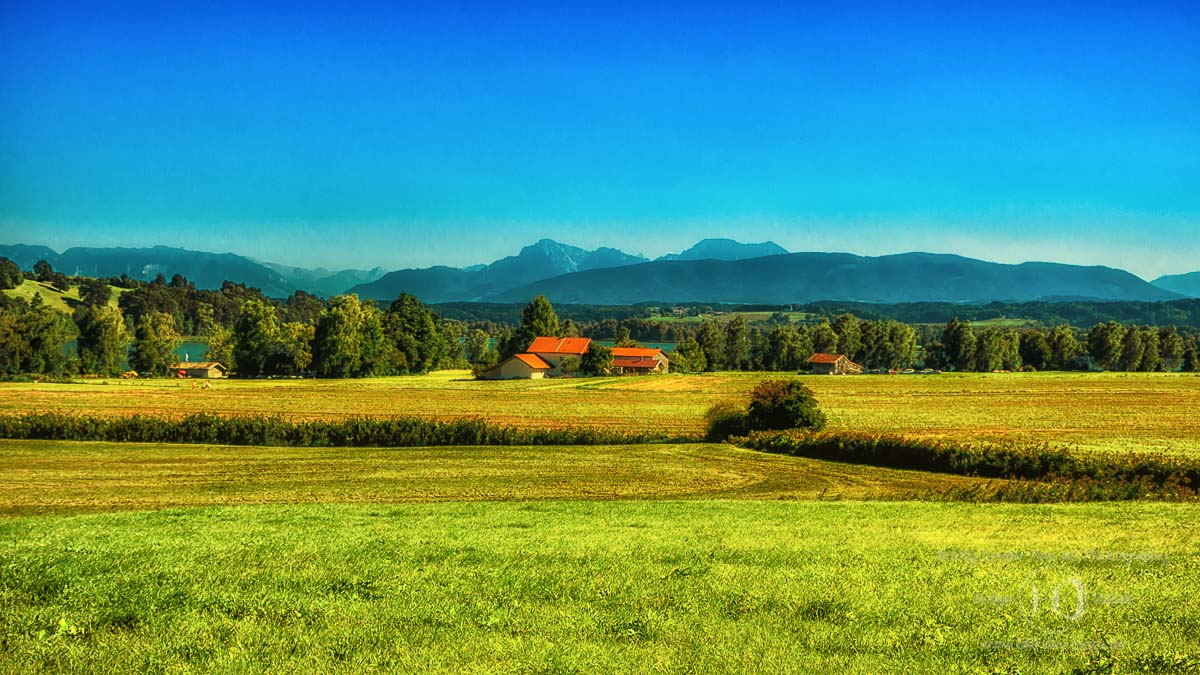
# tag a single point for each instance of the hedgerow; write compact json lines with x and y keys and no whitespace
{"x":274,"y":430}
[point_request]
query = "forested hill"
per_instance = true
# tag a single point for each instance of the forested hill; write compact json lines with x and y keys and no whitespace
{"x":810,"y":277}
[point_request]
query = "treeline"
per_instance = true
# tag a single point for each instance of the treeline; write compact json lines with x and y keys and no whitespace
{"x":253,"y":336}
{"x":1080,"y":314}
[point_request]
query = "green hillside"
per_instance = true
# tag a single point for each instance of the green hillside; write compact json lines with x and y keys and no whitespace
{"x":63,"y":302}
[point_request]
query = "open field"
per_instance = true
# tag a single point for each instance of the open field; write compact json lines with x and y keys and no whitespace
{"x":606,"y":586}
{"x":1113,"y":411}
{"x":62,"y":301}
{"x":59,"y":476}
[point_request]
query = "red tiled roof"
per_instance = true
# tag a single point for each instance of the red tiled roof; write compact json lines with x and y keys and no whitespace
{"x":641,"y":352}
{"x":533,"y":361}
{"x":554,"y":345}
{"x":825,"y":358}
{"x":635,"y":363}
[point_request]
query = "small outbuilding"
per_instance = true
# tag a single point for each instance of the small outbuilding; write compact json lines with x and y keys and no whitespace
{"x":206,"y":370}
{"x":634,"y":360}
{"x":517,"y":367}
{"x":833,"y":364}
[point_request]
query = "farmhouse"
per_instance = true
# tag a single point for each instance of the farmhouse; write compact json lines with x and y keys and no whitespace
{"x":833,"y":364}
{"x":201,"y":369}
{"x":517,"y":367}
{"x":555,"y":350}
{"x":639,"y":361}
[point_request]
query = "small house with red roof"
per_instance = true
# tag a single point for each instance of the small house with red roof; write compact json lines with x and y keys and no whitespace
{"x":517,"y":367}
{"x":833,"y":364}
{"x":639,"y":361}
{"x":555,"y":350}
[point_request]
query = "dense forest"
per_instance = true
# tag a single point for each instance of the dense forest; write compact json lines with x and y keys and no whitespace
{"x":119,"y":319}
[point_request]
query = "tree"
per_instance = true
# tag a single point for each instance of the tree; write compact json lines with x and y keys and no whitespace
{"x":477,"y":349}
{"x":220,"y":346}
{"x":783,"y":404}
{"x":688,"y":357}
{"x":787,"y":349}
{"x":824,"y":339}
{"x":1170,"y":347}
{"x":155,"y":341}
{"x":1064,"y":348}
{"x":597,"y":360}
{"x":569,"y":329}
{"x":1191,"y":358}
{"x":412,"y":329}
{"x":103,"y":340}
{"x":296,"y":341}
{"x":712,"y":341}
{"x":1152,"y":360}
{"x":33,"y":338}
{"x":1105,"y":344}
{"x":849,"y":334}
{"x":1035,"y":349}
{"x":350,"y":340}
{"x":10,"y":274}
{"x":42,"y":271}
{"x":256,"y":338}
{"x":1133,"y":349}
{"x":737,"y":343}
{"x":959,"y":342}
{"x":94,"y":292}
{"x":537,"y":320}
{"x":623,"y":338}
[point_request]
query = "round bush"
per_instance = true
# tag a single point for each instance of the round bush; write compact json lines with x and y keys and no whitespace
{"x":784,"y":404}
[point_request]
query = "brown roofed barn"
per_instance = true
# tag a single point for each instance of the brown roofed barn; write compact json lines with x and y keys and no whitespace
{"x":833,"y":364}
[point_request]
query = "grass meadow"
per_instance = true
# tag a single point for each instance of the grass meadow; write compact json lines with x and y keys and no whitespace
{"x":642,"y":558}
{"x":605,"y":586}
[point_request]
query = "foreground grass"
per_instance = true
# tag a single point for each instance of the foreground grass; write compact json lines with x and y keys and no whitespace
{"x":1106,"y":411}
{"x":614,"y":586}
{"x":62,"y":476}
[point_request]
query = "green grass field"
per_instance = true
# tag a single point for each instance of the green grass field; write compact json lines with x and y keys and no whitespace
{"x":64,"y":302}
{"x":1112,"y":411}
{"x":647,"y":558}
{"x":605,"y":586}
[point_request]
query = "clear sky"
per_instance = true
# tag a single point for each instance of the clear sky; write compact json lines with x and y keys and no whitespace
{"x":407,"y":134}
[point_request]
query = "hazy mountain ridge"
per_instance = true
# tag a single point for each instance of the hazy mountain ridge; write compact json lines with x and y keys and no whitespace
{"x":810,"y":277}
{"x":1183,"y":284}
{"x":726,"y":249}
{"x":572,"y":274}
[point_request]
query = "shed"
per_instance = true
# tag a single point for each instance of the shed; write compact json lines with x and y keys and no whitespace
{"x":517,"y":367}
{"x":635,"y":365}
{"x":201,"y":369}
{"x":833,"y":364}
{"x":639,"y":354}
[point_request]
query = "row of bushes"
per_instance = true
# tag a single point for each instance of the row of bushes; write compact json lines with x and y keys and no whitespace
{"x":1117,"y":475}
{"x":273,"y":430}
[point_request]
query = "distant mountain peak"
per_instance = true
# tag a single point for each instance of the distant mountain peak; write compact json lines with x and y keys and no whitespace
{"x":718,"y":248}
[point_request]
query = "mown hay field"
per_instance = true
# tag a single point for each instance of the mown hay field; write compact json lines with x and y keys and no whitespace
{"x":1113,"y":411}
{"x":605,"y":586}
{"x":68,"y":477}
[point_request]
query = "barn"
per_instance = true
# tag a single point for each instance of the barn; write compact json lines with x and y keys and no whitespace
{"x":639,"y":361}
{"x":833,"y":364}
{"x":201,"y":369}
{"x":555,"y":350}
{"x":518,"y":367}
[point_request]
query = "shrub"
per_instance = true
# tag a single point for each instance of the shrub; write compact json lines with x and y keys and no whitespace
{"x":784,"y":404}
{"x":726,"y":418}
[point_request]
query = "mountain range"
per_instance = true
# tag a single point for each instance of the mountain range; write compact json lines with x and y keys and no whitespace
{"x":714,"y":270}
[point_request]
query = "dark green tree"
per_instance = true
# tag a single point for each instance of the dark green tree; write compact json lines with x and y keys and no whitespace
{"x":849,"y":334}
{"x":784,"y":404}
{"x":10,"y":274}
{"x":94,"y":292}
{"x":688,"y":357}
{"x":712,"y":341}
{"x":1065,"y":349}
{"x":103,"y":341}
{"x":959,"y":342}
{"x":256,"y":338}
{"x":155,"y":341}
{"x":1170,"y":345}
{"x":824,"y":338}
{"x":597,"y":360}
{"x":537,"y":320}
{"x":1105,"y":344}
{"x":1133,"y":349}
{"x":414,"y":333}
{"x":737,"y":343}
{"x":1035,"y":349}
{"x":43,"y":271}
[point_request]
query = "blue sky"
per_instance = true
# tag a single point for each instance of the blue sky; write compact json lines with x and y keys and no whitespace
{"x":402,"y":135}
